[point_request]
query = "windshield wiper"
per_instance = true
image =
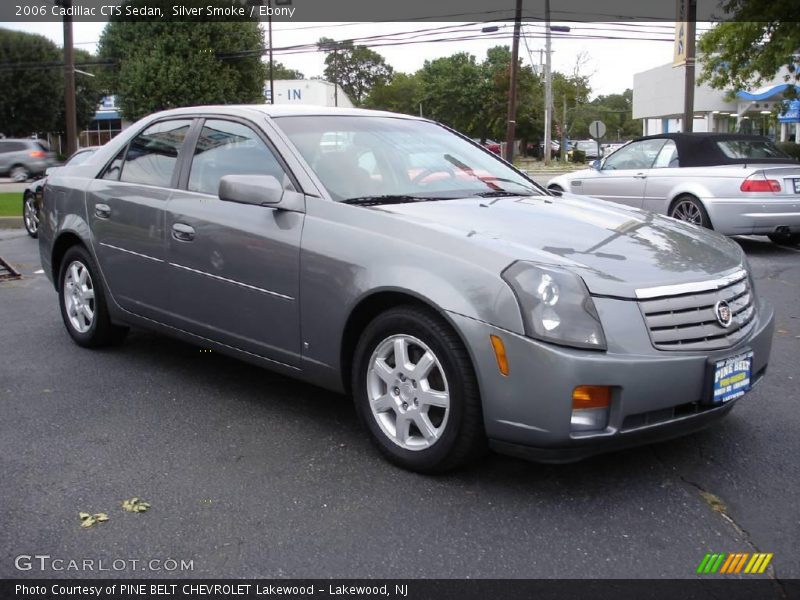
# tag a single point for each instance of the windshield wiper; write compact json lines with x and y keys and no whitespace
{"x":502,"y":194}
{"x":387,"y":199}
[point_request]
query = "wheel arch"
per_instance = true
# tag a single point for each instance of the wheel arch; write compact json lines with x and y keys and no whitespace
{"x":372,"y":305}
{"x":689,"y":194}
{"x":64,"y":242}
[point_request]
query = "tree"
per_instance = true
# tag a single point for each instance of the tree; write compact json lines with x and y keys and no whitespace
{"x":401,"y":95}
{"x":759,"y":40}
{"x":165,"y":63}
{"x":451,"y":90}
{"x":32,"y":101}
{"x":356,"y":68}
{"x":281,"y":71}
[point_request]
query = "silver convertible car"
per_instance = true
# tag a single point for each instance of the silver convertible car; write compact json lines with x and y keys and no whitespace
{"x":390,"y":258}
{"x":732,"y":183}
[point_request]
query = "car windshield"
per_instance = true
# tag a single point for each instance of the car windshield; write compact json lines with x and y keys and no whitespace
{"x":362,"y":157}
{"x":80,"y":157}
{"x":750,"y":149}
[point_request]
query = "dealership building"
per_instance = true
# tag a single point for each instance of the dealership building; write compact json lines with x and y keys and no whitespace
{"x":658,"y":101}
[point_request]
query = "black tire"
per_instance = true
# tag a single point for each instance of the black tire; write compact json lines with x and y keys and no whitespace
{"x":785,"y":239}
{"x":19,"y":173}
{"x":462,"y":437}
{"x":556,"y":189}
{"x":690,"y":210}
{"x":101,"y":331}
{"x":30,"y":215}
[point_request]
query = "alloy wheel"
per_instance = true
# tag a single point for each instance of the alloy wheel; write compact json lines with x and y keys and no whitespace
{"x":79,"y":300}
{"x":408,"y":392}
{"x":30,"y":215}
{"x":687,"y":211}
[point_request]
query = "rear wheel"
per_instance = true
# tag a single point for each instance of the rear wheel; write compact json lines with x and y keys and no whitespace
{"x":19,"y":173}
{"x":785,"y":239}
{"x":690,"y":210}
{"x":30,"y":215}
{"x":416,"y":393}
{"x":83,"y":302}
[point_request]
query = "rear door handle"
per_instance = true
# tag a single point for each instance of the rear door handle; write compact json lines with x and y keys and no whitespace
{"x":182,"y":233}
{"x":102,"y":211}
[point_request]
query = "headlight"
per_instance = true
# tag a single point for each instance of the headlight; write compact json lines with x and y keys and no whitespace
{"x":556,"y":306}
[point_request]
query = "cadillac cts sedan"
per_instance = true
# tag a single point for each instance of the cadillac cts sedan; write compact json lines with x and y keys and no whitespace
{"x":735,"y":184}
{"x":390,"y":258}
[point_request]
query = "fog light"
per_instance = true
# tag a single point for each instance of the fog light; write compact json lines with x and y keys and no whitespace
{"x":590,"y":405}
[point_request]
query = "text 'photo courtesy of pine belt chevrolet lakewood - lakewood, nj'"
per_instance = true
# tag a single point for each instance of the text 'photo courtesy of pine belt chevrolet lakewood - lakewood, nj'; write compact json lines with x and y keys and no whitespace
{"x":461,"y":305}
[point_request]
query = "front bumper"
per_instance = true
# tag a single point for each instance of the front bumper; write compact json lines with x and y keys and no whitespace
{"x":656,"y":394}
{"x":746,"y":216}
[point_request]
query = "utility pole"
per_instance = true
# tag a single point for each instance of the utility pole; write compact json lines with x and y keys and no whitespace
{"x":512,"y":86}
{"x":564,"y":132}
{"x":69,"y":81}
{"x":548,"y":84}
{"x":271,"y":75}
{"x":688,"y":82}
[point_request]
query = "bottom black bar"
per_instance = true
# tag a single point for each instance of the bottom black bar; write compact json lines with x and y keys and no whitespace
{"x":444,"y":589}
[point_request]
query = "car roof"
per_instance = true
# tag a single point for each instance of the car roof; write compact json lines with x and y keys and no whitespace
{"x":286,"y":110}
{"x":699,"y":149}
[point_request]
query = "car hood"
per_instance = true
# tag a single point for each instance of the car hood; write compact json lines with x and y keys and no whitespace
{"x":616,"y":250}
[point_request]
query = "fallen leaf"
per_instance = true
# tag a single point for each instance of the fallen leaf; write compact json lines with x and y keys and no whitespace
{"x":135,"y":505}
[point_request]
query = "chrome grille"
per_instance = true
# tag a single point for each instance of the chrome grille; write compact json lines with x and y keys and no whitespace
{"x":689,"y":321}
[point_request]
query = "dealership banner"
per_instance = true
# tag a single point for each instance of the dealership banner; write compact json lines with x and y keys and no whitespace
{"x":446,"y":589}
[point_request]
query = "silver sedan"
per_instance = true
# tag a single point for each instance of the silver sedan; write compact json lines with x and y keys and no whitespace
{"x":392,"y":259}
{"x":734,"y":184}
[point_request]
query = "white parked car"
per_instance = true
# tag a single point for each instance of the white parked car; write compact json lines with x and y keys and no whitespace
{"x":732,"y":183}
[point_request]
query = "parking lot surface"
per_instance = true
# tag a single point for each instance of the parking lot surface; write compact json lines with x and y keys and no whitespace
{"x":251,"y":474}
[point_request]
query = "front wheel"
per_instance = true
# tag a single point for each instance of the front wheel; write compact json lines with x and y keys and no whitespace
{"x":415,"y":391}
{"x":690,"y":210}
{"x":83,"y":302}
{"x":30,"y":215}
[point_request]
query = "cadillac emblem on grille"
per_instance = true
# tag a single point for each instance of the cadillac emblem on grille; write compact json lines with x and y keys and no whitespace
{"x":723,"y":313}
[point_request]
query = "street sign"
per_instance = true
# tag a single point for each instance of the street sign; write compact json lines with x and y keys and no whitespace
{"x":597,"y":129}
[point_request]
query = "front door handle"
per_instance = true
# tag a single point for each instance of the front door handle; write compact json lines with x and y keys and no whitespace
{"x":102,"y":211}
{"x":640,"y":176}
{"x":182,"y":233}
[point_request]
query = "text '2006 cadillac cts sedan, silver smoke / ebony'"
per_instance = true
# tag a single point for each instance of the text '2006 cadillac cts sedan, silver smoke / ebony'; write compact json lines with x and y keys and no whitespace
{"x":389,"y":257}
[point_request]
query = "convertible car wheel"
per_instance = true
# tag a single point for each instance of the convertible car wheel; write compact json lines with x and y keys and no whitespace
{"x":691,"y":210}
{"x":83,"y":303}
{"x":416,"y":393}
{"x":30,"y":215}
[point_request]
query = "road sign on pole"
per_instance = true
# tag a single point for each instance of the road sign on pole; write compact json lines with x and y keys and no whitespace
{"x":597,"y":129}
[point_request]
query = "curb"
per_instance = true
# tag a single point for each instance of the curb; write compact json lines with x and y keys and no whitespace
{"x":11,"y":223}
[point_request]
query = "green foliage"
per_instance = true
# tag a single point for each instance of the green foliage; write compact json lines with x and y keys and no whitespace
{"x":165,"y":63}
{"x":790,"y":148}
{"x":578,"y":156}
{"x":356,"y":68}
{"x":281,"y":71}
{"x":760,"y":40}
{"x":401,"y":95}
{"x":452,"y":89}
{"x":33,"y":96}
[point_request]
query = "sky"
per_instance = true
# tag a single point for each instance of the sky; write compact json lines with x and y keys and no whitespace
{"x":610,"y":63}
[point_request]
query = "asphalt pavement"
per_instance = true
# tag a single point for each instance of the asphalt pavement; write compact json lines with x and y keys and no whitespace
{"x":251,"y":474}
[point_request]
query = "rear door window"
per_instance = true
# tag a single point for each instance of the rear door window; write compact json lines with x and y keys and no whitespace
{"x":153,"y":155}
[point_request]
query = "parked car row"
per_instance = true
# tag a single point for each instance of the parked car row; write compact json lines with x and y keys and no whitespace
{"x":458,"y":302}
{"x":735,"y":184}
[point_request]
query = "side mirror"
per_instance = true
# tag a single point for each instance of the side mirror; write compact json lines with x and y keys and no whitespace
{"x":260,"y":190}
{"x":596,"y":164}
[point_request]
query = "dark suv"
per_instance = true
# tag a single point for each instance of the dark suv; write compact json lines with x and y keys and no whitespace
{"x":20,"y":159}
